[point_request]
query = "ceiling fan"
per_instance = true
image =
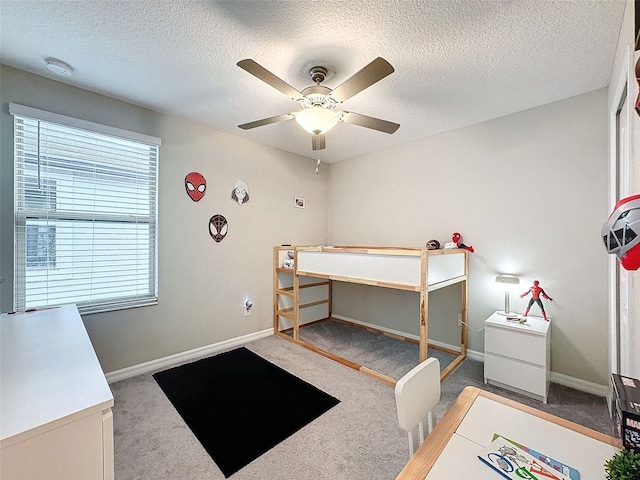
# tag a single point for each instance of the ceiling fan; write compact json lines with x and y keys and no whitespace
{"x":318,"y":114}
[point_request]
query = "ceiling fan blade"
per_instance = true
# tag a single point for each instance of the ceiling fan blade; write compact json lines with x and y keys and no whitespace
{"x":266,"y":76}
{"x":372,"y":73}
{"x":318,"y":142}
{"x":369,"y":122}
{"x":267,"y":121}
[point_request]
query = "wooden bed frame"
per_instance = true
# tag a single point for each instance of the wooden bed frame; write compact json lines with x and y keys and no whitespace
{"x":299,"y":298}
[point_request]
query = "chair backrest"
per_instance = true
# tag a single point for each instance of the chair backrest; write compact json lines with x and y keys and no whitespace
{"x":417,"y":394}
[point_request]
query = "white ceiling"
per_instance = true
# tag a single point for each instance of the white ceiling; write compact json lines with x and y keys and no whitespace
{"x":457,"y":62}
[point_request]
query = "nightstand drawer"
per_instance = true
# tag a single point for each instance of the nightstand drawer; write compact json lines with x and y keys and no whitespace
{"x":519,"y":345}
{"x":523,"y":376}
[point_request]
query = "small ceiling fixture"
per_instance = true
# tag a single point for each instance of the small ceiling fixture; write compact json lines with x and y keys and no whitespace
{"x":59,"y":67}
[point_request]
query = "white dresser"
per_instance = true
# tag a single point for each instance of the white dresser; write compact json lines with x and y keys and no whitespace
{"x":517,"y":355}
{"x":55,"y":403}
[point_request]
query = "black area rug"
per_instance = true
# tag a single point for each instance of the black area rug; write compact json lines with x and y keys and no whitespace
{"x":239,"y":405}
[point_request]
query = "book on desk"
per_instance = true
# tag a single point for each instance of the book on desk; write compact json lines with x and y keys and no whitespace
{"x":516,"y":461}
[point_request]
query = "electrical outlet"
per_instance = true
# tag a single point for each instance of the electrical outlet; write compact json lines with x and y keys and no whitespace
{"x":248,"y":303}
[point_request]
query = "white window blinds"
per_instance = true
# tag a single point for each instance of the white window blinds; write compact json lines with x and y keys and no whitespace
{"x":85,"y":214}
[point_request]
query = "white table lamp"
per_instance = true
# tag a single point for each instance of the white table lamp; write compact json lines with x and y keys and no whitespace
{"x":507,"y":282}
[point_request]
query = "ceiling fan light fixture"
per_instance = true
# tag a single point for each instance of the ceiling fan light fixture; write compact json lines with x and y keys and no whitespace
{"x":317,"y":120}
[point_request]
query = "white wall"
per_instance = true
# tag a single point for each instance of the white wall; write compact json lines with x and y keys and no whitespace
{"x":634,"y":361}
{"x":202,"y":284}
{"x":623,"y":70}
{"x":528,"y":191}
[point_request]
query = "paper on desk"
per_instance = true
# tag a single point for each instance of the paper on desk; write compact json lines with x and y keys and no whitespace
{"x":514,"y":463}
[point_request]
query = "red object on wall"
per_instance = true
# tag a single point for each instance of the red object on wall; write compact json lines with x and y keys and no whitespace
{"x":196,"y":185}
{"x":621,"y":232}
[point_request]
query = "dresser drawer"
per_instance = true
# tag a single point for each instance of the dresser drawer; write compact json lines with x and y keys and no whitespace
{"x":516,"y":344}
{"x":519,"y":375}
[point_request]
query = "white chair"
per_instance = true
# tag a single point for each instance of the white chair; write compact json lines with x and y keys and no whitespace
{"x":417,"y":394}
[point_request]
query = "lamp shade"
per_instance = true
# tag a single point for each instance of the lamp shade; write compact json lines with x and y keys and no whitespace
{"x":508,"y":279}
{"x":317,"y":120}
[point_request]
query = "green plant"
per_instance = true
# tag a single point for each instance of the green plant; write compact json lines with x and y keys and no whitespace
{"x":624,"y":465}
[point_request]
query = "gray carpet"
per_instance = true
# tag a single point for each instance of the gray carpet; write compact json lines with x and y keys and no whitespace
{"x":384,"y":354}
{"x":394,"y":358}
{"x":357,"y":439}
{"x":579,"y":407}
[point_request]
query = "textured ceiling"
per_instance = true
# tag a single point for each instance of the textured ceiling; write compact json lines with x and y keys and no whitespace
{"x":457,"y":62}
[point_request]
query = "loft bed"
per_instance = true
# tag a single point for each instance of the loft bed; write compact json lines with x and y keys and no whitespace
{"x":302,"y":294}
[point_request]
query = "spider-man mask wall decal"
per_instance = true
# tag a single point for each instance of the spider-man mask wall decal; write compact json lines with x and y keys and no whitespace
{"x":196,"y":185}
{"x":240,"y":192}
{"x":218,"y":227}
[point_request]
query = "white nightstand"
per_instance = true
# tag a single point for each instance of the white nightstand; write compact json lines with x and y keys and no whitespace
{"x":517,"y":355}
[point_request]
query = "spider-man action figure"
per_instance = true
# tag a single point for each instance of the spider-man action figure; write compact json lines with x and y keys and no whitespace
{"x":457,"y":243}
{"x":536,"y":291}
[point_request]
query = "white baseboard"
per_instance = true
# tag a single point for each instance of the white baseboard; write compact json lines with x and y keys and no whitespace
{"x":171,"y":360}
{"x":475,"y":355}
{"x":117,"y":375}
{"x":582,"y":385}
{"x":472,"y":354}
{"x":377,"y":327}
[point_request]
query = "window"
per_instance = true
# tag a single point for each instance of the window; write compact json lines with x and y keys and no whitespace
{"x":85,"y":214}
{"x":41,"y":239}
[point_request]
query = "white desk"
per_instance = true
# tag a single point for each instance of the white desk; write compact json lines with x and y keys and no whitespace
{"x":451,"y":450}
{"x":55,"y":403}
